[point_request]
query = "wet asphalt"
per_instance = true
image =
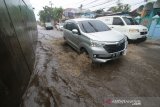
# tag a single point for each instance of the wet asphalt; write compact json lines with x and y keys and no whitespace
{"x":64,"y":78}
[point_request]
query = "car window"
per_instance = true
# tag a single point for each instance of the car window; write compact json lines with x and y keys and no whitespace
{"x":70,"y":26}
{"x":117,"y":21}
{"x":89,"y":26}
{"x":130,"y":21}
{"x":48,"y":24}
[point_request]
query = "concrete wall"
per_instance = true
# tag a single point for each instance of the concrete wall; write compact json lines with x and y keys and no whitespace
{"x":18,"y":33}
{"x":150,"y":17}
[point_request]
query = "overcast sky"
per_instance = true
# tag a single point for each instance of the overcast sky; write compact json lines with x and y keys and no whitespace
{"x":91,"y":4}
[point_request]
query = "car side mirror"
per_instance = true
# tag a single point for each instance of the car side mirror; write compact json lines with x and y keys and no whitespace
{"x":75,"y":31}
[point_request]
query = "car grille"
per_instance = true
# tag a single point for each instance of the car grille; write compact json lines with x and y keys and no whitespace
{"x":111,"y":48}
{"x":143,"y":33}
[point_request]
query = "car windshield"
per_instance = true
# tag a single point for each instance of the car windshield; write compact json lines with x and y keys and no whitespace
{"x":90,"y":26}
{"x":130,"y":21}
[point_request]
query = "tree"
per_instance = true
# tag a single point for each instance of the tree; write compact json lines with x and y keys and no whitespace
{"x":99,"y":11}
{"x":120,"y":8}
{"x":48,"y":14}
{"x":57,"y":13}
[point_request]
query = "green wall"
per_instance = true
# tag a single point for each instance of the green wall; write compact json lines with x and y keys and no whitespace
{"x":18,"y":33}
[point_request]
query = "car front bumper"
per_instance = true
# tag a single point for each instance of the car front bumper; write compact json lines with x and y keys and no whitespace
{"x":99,"y":54}
{"x":48,"y":28}
{"x":135,"y":36}
{"x":106,"y":57}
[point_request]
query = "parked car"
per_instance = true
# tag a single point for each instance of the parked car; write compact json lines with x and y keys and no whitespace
{"x":126,"y":25}
{"x":95,"y":38}
{"x":48,"y":26}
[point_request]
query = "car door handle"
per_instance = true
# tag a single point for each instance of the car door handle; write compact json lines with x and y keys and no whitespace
{"x":112,"y":27}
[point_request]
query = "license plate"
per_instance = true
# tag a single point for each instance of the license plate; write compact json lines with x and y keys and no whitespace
{"x":143,"y":36}
{"x":116,"y":54}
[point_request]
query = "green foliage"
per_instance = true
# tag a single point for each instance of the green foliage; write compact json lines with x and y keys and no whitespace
{"x":48,"y":14}
{"x":57,"y":13}
{"x":99,"y":11}
{"x":120,"y":8}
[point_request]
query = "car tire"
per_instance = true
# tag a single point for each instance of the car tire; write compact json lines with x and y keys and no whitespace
{"x":83,"y":51}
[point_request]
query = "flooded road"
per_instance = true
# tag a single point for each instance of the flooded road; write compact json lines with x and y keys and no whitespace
{"x":65,"y":78}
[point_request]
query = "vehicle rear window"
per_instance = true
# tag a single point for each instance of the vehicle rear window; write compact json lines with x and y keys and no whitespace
{"x":90,"y":26}
{"x":48,"y":24}
{"x":130,"y":21}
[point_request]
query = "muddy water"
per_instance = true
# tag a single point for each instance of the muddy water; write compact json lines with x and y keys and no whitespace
{"x":65,"y":78}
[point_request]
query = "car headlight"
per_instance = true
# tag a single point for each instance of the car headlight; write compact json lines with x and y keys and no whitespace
{"x":133,"y":30}
{"x":97,"y":43}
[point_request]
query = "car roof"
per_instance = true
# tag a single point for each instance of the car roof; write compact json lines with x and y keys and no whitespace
{"x":116,"y":16}
{"x":79,"y":19}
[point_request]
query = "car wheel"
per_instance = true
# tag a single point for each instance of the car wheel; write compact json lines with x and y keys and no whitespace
{"x":84,"y":51}
{"x":64,"y":38}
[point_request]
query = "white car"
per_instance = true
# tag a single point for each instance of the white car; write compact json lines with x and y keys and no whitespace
{"x":126,"y":25}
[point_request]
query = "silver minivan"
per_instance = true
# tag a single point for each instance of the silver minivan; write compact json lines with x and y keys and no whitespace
{"x":95,"y":38}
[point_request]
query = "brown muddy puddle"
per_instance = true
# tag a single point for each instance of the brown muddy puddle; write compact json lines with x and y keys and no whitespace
{"x":74,"y":63}
{"x":69,"y":59}
{"x":65,"y":78}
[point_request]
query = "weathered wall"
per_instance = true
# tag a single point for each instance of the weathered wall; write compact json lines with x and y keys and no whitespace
{"x":18,"y":33}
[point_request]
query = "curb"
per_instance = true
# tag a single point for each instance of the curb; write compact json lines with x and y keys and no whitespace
{"x":153,"y":42}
